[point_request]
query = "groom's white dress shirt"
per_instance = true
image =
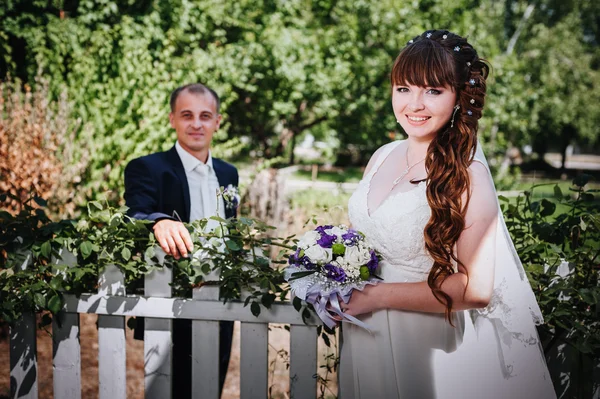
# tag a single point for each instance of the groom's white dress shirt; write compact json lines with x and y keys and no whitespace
{"x":203,"y":185}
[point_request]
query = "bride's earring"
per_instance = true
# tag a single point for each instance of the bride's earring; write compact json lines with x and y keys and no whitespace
{"x":456,"y":108}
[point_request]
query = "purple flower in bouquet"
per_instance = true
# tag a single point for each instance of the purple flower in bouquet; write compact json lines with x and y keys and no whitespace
{"x":296,"y":260}
{"x":335,"y":273}
{"x":351,"y":237}
{"x":321,"y":229}
{"x":373,"y":263}
{"x":326,"y":241}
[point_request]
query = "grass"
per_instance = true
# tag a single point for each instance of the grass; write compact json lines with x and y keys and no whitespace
{"x":347,"y":175}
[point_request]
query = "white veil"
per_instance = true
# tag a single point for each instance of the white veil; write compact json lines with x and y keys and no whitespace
{"x":513,"y":309}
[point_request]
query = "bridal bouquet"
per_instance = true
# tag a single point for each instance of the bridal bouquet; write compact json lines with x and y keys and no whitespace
{"x":329,"y":263}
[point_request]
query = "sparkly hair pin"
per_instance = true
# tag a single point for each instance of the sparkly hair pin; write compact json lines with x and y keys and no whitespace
{"x":469,"y":112}
{"x":428,"y":35}
{"x":445,"y":37}
{"x":411,"y":41}
{"x":468,"y":64}
{"x":472,"y":101}
{"x":472,"y":82}
{"x":457,"y":48}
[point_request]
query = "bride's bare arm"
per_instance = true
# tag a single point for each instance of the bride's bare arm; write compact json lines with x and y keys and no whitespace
{"x":471,"y":287}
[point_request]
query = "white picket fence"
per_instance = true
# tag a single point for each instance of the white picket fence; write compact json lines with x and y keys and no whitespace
{"x":112,"y":305}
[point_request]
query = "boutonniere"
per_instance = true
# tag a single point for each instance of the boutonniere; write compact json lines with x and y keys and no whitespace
{"x":231,"y":196}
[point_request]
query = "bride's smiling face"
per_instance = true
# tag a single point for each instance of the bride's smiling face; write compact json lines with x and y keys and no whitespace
{"x":423,"y":111}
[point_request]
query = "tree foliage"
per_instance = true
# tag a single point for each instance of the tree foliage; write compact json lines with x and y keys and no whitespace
{"x":284,"y":68}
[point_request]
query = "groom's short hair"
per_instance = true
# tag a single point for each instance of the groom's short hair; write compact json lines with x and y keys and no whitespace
{"x":197,"y":88}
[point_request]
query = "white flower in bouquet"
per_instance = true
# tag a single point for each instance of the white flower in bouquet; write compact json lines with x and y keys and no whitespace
{"x":336,"y":231}
{"x":318,"y":254}
{"x":308,"y":239}
{"x":357,"y":256}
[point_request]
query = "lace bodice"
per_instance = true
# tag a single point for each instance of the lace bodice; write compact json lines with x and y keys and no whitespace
{"x":395,"y":228}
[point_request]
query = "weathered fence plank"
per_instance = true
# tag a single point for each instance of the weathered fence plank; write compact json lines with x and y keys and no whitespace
{"x":254,"y":360}
{"x":162,"y":308}
{"x":66,"y":359}
{"x":111,"y":339}
{"x":303,"y":361}
{"x":158,"y":333}
{"x":66,"y":348}
{"x":205,"y":349}
{"x":23,"y":358}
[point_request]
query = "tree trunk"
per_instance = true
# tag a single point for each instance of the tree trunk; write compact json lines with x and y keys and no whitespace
{"x":293,"y":145}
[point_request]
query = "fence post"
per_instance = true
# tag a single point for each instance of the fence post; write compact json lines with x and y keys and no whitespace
{"x":66,"y":359}
{"x":205,"y":345}
{"x":303,"y":361}
{"x":158,"y":353}
{"x":254,"y":358}
{"x":23,"y":353}
{"x":111,"y":339}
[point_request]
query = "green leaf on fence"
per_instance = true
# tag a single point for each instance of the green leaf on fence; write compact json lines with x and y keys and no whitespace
{"x":46,"y":249}
{"x":54,"y":304}
{"x":46,"y":320}
{"x":326,"y":340}
{"x":297,"y":302}
{"x":126,"y":253}
{"x":86,"y":249}
{"x":40,"y":300}
{"x":255,"y":309}
{"x":234,"y":246}
{"x":40,"y":201}
{"x":558,"y":194}
{"x":56,"y":283}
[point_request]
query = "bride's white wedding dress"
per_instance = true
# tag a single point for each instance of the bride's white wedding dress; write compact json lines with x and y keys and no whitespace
{"x":491,"y":353}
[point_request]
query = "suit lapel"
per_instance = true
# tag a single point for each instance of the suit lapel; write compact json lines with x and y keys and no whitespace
{"x":222,"y":177}
{"x":177,"y":166}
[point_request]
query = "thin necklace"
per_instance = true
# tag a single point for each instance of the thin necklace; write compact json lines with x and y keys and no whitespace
{"x":405,"y":172}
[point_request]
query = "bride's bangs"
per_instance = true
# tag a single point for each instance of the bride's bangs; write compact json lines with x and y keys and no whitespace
{"x":424,"y":64}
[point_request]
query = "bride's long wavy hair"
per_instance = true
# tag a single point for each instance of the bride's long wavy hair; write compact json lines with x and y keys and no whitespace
{"x":439,"y":58}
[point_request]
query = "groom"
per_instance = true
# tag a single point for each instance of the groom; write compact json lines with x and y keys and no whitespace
{"x":177,"y":186}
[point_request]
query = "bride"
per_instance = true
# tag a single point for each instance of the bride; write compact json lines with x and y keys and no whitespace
{"x":455,"y":316}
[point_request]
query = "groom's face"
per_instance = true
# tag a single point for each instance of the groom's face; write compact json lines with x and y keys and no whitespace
{"x":195,"y":119}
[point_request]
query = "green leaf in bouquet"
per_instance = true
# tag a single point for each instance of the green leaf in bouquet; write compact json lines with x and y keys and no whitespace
{"x":301,"y":274}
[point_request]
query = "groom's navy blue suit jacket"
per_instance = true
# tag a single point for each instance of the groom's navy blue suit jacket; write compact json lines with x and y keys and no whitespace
{"x":156,"y":186}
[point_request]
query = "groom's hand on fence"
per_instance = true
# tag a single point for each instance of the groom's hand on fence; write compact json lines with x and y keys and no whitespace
{"x":173,"y":238}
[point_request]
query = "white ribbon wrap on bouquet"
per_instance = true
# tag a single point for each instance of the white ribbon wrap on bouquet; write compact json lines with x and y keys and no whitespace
{"x":325,"y":295}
